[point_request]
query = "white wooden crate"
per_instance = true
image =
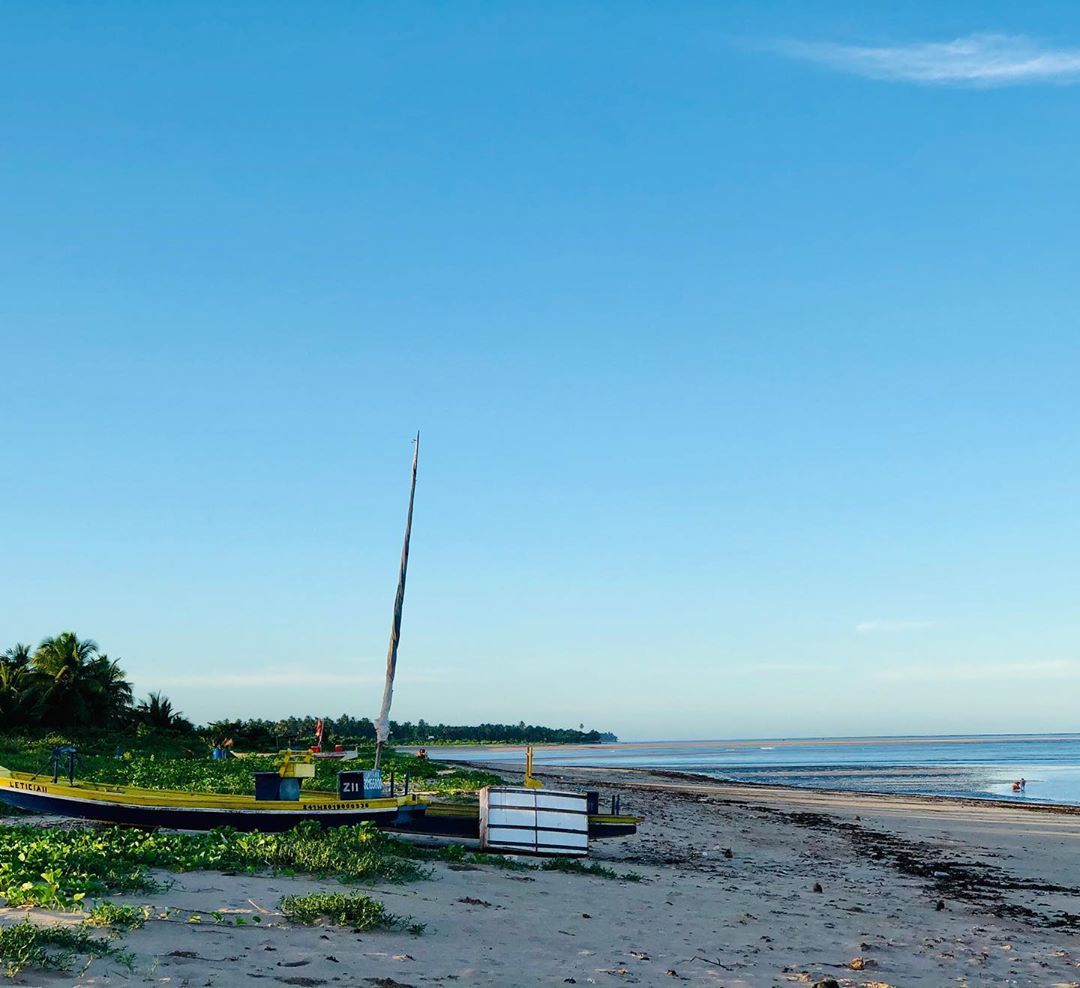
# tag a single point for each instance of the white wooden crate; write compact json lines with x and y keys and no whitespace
{"x":534,"y":821}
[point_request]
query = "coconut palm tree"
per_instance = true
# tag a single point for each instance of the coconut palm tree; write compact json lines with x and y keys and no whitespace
{"x":111,"y":688}
{"x":80,"y":687}
{"x":64,"y":655}
{"x":18,"y":655}
{"x":157,"y":711}
{"x":20,"y":697}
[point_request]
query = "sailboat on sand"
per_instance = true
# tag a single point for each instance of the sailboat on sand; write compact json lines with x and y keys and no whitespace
{"x":278,"y":802}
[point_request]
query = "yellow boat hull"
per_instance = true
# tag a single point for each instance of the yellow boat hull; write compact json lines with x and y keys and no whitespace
{"x":197,"y":811}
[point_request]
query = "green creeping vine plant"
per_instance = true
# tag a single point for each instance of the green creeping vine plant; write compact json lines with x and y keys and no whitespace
{"x":58,"y":868}
{"x":358,"y":912}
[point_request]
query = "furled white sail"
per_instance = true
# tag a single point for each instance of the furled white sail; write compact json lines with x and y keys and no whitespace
{"x":382,"y":722}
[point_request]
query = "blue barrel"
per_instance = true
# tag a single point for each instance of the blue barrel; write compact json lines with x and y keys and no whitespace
{"x":289,"y":789}
{"x":268,"y":785}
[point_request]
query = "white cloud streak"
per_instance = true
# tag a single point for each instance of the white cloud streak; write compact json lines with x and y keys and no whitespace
{"x":981,"y":672}
{"x":804,"y":668}
{"x":288,"y":677}
{"x":892,"y":627}
{"x":982,"y":60}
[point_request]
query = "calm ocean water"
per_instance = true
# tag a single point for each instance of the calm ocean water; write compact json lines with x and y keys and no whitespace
{"x":979,"y":767}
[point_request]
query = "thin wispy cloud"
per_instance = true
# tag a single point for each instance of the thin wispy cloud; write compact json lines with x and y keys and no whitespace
{"x":803,"y":668}
{"x":984,"y":60}
{"x":289,"y":677}
{"x":981,"y":672}
{"x":892,"y":627}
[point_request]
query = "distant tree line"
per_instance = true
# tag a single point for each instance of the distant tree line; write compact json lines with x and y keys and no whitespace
{"x":346,"y":729}
{"x":67,"y":683}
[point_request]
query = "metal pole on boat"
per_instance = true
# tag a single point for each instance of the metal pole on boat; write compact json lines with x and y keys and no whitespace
{"x":382,"y":722}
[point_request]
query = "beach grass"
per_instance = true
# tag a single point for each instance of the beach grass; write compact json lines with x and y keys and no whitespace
{"x":52,"y":948}
{"x":575,"y":866}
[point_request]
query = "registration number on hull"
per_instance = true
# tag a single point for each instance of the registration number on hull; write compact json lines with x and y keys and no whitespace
{"x":333,"y":807}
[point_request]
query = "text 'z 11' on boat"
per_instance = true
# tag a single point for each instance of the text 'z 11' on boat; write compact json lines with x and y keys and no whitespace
{"x":526,"y":819}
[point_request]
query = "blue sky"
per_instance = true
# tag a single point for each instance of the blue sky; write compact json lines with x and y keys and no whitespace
{"x":742,"y":338}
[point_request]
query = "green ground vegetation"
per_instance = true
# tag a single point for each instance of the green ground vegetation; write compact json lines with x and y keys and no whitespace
{"x":117,"y":916}
{"x":575,"y":866}
{"x":355,"y":910}
{"x":162,"y":762}
{"x":65,"y":868}
{"x":61,"y":868}
{"x":52,"y":948}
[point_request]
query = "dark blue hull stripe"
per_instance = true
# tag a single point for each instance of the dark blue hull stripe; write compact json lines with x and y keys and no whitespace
{"x":196,"y":819}
{"x":407,"y":819}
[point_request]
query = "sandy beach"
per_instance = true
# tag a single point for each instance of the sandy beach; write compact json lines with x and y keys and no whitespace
{"x":741,"y":886}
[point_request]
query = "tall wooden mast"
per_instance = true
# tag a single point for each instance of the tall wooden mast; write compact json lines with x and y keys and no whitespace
{"x":382,"y":722}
